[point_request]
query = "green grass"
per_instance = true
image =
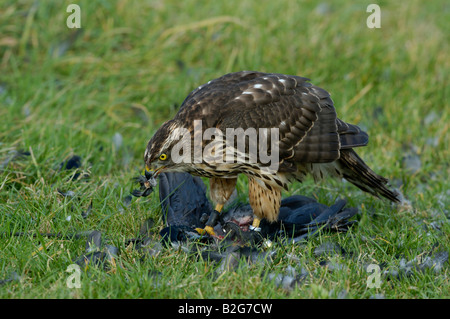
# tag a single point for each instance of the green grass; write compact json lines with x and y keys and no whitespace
{"x":133,"y":63}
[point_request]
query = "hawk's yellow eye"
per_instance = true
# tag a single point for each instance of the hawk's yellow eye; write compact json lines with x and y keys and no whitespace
{"x":163,"y":157}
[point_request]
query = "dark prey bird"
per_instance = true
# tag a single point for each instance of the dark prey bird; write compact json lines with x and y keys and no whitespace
{"x":307,"y":138}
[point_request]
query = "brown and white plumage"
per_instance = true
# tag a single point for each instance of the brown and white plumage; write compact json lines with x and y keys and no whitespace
{"x":312,"y":140}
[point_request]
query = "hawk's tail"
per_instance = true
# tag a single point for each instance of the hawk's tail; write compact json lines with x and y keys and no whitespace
{"x":357,"y":172}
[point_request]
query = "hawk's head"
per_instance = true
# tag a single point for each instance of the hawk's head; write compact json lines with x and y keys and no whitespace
{"x":157,"y":155}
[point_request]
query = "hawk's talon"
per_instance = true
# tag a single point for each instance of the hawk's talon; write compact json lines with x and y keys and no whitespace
{"x":207,"y":230}
{"x":253,"y":228}
{"x":213,"y":220}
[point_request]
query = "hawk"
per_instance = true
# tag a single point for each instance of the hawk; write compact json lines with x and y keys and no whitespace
{"x":309,"y":139}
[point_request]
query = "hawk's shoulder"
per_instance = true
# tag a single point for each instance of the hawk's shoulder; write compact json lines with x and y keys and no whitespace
{"x":245,"y":90}
{"x":250,"y":99}
{"x":257,"y":87}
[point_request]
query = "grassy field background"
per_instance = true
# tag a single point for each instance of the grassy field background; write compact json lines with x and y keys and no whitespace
{"x":101,"y":91}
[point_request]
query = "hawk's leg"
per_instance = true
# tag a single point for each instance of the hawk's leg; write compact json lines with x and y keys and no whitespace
{"x":220,"y":191}
{"x":265,"y":201}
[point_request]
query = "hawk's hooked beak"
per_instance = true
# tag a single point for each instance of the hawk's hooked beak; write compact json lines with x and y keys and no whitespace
{"x":152,"y":172}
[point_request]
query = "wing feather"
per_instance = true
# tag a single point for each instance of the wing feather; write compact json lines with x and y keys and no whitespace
{"x":309,"y":130}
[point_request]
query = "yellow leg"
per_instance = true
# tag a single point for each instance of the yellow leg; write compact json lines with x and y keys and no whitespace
{"x":255,"y":224}
{"x":209,"y":229}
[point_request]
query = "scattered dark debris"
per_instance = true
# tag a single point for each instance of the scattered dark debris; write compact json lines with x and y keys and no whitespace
{"x":126,"y":202}
{"x":74,"y":163}
{"x":145,"y":243}
{"x":228,"y":260}
{"x":435,"y":262}
{"x":300,"y":217}
{"x":147,"y":225}
{"x":3,"y":88}
{"x":12,"y":156}
{"x":180,"y":64}
{"x":149,"y":247}
{"x":26,"y":111}
{"x":95,"y":258}
{"x":289,"y":279}
{"x":155,"y":276}
{"x":330,"y":253}
{"x":77,"y":235}
{"x":112,"y":251}
{"x":286,"y":282}
{"x":96,"y":253}
{"x":432,"y":141}
{"x":228,"y":255}
{"x":323,"y":9}
{"x":432,"y":117}
{"x":147,"y":182}
{"x":332,"y":265}
{"x":71,"y":194}
{"x":85,"y":214}
{"x":423,"y":262}
{"x":343,"y":294}
{"x":411,"y":163}
{"x":329,"y":249}
{"x":94,"y":241}
{"x":59,"y":49}
{"x":185,"y":206}
{"x":66,"y":194}
{"x":117,"y":141}
{"x":140,"y":112}
{"x":377,"y":114}
{"x":13,"y":276}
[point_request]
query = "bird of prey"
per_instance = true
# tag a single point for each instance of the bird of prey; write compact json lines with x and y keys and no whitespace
{"x":308,"y":139}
